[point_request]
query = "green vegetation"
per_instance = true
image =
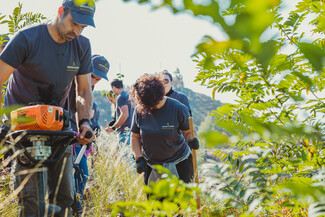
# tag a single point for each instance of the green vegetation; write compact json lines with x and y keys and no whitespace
{"x":275,"y":128}
{"x":16,"y":21}
{"x":274,"y":63}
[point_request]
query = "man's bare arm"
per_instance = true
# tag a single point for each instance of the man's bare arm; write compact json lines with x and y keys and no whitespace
{"x":187,"y":135}
{"x":5,"y":72}
{"x":84,"y":101}
{"x":136,"y":145}
{"x":124,"y":115}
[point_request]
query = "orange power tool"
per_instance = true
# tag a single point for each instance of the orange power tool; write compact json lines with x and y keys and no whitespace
{"x":39,"y":117}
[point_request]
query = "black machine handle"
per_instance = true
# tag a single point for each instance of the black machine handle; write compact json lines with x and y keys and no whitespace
{"x":88,"y":134}
{"x":68,"y":138}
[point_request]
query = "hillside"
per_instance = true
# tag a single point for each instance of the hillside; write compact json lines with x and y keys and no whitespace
{"x":201,"y":105}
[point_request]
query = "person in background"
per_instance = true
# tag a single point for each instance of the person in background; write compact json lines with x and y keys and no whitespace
{"x":160,"y":131}
{"x":168,"y":83}
{"x":123,"y":114}
{"x":112,"y":99}
{"x":101,"y":68}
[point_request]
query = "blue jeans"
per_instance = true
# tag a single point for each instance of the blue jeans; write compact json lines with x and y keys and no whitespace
{"x":81,"y":178}
{"x":124,"y":138}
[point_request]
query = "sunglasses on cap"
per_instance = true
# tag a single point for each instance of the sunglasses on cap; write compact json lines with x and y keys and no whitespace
{"x":110,"y":94}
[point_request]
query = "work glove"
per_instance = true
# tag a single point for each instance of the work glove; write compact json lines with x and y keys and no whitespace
{"x":194,"y":143}
{"x":141,"y":165}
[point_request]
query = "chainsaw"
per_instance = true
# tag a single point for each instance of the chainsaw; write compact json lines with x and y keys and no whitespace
{"x":43,"y":136}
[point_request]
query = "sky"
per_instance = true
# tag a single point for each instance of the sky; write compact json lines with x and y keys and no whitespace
{"x":136,"y":40}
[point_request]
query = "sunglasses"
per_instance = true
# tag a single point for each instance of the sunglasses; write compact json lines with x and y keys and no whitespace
{"x":166,"y":81}
{"x":111,"y":95}
{"x":96,"y":78}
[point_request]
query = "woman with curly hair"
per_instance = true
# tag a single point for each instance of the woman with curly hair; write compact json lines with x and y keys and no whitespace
{"x":160,"y":131}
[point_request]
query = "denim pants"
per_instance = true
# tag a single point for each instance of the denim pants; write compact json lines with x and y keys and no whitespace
{"x":123,"y":138}
{"x":65,"y":194}
{"x":81,"y":178}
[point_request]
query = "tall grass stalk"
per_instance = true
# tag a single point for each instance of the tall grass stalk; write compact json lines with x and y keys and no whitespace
{"x":112,"y":177}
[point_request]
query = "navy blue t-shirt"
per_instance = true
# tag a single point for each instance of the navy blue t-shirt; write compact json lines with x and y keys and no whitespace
{"x":181,"y":98}
{"x":44,"y":68}
{"x":123,"y":99}
{"x":161,"y":132}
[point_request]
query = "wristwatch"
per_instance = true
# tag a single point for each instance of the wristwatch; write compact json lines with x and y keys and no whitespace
{"x":83,"y":121}
{"x":113,"y":128}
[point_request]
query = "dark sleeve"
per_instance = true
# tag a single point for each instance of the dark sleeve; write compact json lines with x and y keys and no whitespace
{"x":183,"y":99}
{"x":135,"y":123}
{"x":86,"y":65}
{"x":121,"y":101}
{"x":183,"y":115}
{"x":96,"y":112}
{"x":16,"y":51}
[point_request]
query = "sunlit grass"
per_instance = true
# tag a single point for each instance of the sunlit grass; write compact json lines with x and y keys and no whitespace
{"x":112,"y":177}
{"x":11,"y":207}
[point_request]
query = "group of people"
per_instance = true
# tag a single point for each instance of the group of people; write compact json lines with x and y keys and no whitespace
{"x":52,"y":63}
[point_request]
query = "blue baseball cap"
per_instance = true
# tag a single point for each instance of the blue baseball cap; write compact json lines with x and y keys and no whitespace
{"x":83,"y":14}
{"x":4,"y":39}
{"x":101,"y":66}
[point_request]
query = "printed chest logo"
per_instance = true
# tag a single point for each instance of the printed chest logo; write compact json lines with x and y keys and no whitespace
{"x":73,"y":68}
{"x":103,"y":67}
{"x":168,"y":126}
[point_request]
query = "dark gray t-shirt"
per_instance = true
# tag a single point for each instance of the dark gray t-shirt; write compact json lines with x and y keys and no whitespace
{"x":181,"y":98}
{"x":44,"y":68}
{"x":160,"y":131}
{"x":123,"y":99}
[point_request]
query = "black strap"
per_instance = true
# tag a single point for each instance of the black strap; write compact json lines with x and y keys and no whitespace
{"x":83,"y":121}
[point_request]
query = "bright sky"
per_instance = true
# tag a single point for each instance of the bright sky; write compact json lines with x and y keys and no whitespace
{"x":136,"y":40}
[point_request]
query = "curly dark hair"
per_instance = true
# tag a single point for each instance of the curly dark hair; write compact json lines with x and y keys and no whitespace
{"x":147,"y":92}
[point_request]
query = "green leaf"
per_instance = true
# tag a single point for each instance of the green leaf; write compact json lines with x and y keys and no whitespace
{"x":214,"y":138}
{"x":314,"y":54}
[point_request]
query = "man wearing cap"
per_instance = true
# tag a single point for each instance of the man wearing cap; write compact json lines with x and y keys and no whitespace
{"x":101,"y":67}
{"x":123,"y":113}
{"x":41,"y":62}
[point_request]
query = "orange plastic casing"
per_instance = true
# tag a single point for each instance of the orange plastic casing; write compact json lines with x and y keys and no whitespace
{"x":37,"y":117}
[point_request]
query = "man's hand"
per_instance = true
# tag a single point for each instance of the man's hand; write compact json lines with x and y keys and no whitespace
{"x":83,"y":128}
{"x":109,"y":128}
{"x":141,"y":165}
{"x":194,"y":143}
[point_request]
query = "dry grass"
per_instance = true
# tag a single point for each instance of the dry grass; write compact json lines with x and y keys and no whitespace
{"x":112,"y":178}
